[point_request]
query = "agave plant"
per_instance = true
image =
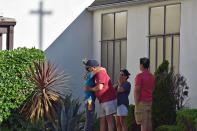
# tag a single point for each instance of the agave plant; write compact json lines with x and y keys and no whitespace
{"x":48,"y":85}
{"x":69,"y":116}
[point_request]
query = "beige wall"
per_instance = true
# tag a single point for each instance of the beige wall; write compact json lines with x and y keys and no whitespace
{"x":137,"y":40}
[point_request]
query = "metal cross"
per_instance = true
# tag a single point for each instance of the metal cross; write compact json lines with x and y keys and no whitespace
{"x":41,"y":13}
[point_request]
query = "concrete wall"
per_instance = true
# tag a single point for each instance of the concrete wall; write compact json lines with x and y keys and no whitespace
{"x":68,"y":50}
{"x":137,"y":40}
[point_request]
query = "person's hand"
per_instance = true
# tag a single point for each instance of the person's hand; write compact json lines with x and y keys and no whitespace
{"x":88,"y":88}
{"x":120,"y":81}
{"x":84,"y":76}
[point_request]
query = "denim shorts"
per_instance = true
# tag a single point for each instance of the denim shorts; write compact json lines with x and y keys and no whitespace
{"x":122,"y":110}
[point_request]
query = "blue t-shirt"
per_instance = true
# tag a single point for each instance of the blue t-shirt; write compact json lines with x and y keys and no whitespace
{"x":89,"y":82}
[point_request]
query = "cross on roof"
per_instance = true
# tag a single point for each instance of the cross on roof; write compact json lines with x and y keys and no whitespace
{"x":41,"y":13}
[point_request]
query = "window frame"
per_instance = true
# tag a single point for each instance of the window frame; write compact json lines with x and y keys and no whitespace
{"x":114,"y":40}
{"x":164,"y":36}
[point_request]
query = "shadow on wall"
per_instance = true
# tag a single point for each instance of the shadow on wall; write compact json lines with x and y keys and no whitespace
{"x":68,"y":50}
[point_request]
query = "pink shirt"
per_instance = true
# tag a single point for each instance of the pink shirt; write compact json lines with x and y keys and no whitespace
{"x":108,"y":92}
{"x":146,"y":81}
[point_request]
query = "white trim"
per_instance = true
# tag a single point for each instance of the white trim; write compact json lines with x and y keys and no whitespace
{"x":120,"y":4}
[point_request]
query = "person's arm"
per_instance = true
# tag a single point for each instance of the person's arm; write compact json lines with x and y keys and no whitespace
{"x":115,"y":86}
{"x":120,"y":89}
{"x":94,"y":89}
{"x":138,"y":84}
{"x":137,"y":94}
{"x":97,"y":70}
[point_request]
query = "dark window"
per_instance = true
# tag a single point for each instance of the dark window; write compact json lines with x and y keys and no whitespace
{"x":114,"y":43}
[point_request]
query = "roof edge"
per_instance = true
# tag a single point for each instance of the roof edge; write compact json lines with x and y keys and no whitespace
{"x":120,"y":4}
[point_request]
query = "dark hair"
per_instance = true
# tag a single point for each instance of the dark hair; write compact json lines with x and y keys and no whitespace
{"x":87,"y":68}
{"x":145,"y":62}
{"x":126,"y":72}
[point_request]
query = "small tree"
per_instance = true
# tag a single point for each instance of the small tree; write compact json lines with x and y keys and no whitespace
{"x":164,"y":103}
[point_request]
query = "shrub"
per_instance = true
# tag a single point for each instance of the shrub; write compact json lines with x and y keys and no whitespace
{"x":195,"y":123}
{"x":130,"y":120}
{"x":13,"y":82}
{"x":164,"y":104}
{"x":16,"y":122}
{"x":168,"y":128}
{"x":186,"y":119}
{"x":180,"y":91}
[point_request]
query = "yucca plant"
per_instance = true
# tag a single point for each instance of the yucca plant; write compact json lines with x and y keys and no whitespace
{"x":48,"y":85}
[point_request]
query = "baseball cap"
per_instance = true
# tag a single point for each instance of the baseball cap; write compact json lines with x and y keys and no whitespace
{"x":92,"y":63}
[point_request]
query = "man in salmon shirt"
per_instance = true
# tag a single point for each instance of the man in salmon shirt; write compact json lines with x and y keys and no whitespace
{"x":106,"y":95}
{"x":144,"y":84}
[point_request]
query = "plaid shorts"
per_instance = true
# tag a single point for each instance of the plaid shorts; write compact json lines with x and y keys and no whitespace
{"x":143,"y":112}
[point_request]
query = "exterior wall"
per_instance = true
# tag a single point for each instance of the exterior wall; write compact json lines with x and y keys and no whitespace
{"x":188,"y":49}
{"x":138,"y":45}
{"x":68,"y":50}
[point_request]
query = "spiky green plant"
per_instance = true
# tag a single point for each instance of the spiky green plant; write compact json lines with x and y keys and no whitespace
{"x":69,"y":115}
{"x":48,"y":84}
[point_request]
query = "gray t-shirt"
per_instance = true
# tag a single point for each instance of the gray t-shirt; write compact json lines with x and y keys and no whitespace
{"x":123,"y":97}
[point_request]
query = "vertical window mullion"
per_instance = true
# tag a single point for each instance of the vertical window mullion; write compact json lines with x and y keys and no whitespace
{"x":113,"y":72}
{"x":164,"y":39}
{"x":107,"y":56}
{"x":120,"y":54}
{"x":172,"y":52}
{"x":149,"y":31}
{"x":156,"y":54}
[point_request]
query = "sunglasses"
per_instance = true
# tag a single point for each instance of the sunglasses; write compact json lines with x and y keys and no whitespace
{"x":122,"y":74}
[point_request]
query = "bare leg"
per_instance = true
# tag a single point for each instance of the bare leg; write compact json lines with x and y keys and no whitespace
{"x":102,"y":124}
{"x":118,"y":124}
{"x":110,"y":122}
{"x":123,"y":123}
{"x":150,"y":125}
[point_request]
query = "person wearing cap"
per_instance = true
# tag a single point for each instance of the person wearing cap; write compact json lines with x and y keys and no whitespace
{"x":89,"y":97}
{"x":106,"y":95}
{"x":123,"y":90}
{"x":144,"y":84}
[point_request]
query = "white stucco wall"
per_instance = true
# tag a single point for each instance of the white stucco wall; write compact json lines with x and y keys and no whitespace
{"x":68,"y":50}
{"x":137,"y":40}
{"x":188,"y":55}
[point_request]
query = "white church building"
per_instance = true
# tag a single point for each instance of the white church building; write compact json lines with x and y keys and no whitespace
{"x":119,"y":32}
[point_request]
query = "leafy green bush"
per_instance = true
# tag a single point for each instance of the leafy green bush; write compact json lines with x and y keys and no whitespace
{"x":195,"y":123}
{"x":164,"y":103}
{"x":13,"y":82}
{"x":130,"y":120}
{"x":168,"y":128}
{"x":186,"y":119}
{"x":16,"y":122}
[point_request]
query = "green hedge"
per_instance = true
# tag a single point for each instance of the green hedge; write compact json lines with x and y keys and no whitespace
{"x":195,"y":123}
{"x":168,"y":128}
{"x":186,"y":118}
{"x":13,"y":83}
